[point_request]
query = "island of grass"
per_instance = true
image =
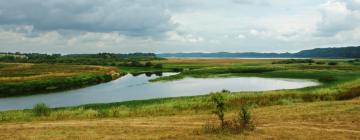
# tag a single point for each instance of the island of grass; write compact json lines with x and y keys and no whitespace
{"x":17,"y":79}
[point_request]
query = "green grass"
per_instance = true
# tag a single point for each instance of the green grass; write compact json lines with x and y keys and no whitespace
{"x":340,"y":82}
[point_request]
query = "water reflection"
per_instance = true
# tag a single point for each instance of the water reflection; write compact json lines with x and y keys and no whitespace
{"x":148,"y":74}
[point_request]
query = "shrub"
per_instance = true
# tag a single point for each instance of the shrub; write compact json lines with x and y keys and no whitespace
{"x":244,"y":119}
{"x":177,"y":69}
{"x":218,"y":100}
{"x":327,"y":79}
{"x":135,"y":64}
{"x":294,"y":61}
{"x":41,"y":109}
{"x":320,"y":63}
{"x":102,"y":113}
{"x":239,"y":124}
{"x":148,"y":64}
{"x":332,"y":63}
{"x":158,"y":66}
{"x":225,"y":91}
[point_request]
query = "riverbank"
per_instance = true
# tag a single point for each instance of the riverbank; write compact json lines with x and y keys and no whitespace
{"x":18,"y":79}
{"x":308,"y":113}
{"x":340,"y":82}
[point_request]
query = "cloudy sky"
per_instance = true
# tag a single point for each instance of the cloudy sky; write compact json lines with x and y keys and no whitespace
{"x":122,"y":26}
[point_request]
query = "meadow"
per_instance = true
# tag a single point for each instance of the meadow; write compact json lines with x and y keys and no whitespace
{"x":308,"y":113}
{"x":19,"y":79}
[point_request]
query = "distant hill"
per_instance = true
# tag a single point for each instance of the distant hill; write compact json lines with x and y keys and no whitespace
{"x":342,"y":52}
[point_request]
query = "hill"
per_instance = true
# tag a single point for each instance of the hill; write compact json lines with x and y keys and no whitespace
{"x":341,"y":52}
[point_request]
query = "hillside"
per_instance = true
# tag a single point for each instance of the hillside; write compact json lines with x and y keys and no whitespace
{"x":341,"y":52}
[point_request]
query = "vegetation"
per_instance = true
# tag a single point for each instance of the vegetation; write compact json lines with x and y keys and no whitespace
{"x":238,"y":125}
{"x":276,"y":114}
{"x":41,"y":109}
{"x":332,"y":63}
{"x":294,"y":61}
{"x":342,"y":52}
{"x":105,"y":59}
{"x":219,"y":102}
{"x":340,"y":82}
{"x":316,"y":120}
{"x":24,"y":78}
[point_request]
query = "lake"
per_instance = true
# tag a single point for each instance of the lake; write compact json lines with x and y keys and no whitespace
{"x":138,"y":87}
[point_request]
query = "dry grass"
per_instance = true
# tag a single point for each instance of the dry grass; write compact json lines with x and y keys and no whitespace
{"x":17,"y":67}
{"x":20,"y":72}
{"x":37,"y":77}
{"x":319,"y":120}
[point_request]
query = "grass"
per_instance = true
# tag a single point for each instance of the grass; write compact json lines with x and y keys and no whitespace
{"x":317,"y":120}
{"x":24,"y":79}
{"x":345,"y":86}
{"x":280,"y":114}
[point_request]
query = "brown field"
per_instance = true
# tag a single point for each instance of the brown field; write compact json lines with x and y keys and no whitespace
{"x":20,"y":72}
{"x":338,"y":120}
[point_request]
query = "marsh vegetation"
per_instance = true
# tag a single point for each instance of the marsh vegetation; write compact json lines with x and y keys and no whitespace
{"x":336,"y":99}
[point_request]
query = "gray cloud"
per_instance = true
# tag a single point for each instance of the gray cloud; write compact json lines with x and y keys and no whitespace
{"x":130,"y":17}
{"x":90,"y":26}
{"x":252,"y":2}
{"x":338,"y":16}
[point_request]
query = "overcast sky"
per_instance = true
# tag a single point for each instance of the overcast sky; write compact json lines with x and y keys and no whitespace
{"x":122,"y":26}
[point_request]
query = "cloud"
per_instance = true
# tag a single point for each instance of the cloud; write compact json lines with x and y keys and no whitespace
{"x":130,"y":17}
{"x":120,"y":26}
{"x":338,"y":16}
{"x":252,"y":2}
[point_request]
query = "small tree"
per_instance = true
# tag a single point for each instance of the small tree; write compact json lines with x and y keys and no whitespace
{"x":41,"y":109}
{"x":218,"y":100}
{"x":245,"y":120}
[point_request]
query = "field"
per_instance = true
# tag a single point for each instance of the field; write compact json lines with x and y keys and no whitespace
{"x":318,"y":120}
{"x":329,"y":111}
{"x":25,"y":78}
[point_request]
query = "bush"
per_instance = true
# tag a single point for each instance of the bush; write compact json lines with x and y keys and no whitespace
{"x":332,"y":63}
{"x":320,"y":63}
{"x":225,"y":91}
{"x":158,"y":66}
{"x":41,"y":109}
{"x":148,"y":64}
{"x":177,"y":69}
{"x":244,"y":119}
{"x":239,"y":124}
{"x":327,"y":79}
{"x":294,"y":61}
{"x":135,"y":64}
{"x":218,"y":100}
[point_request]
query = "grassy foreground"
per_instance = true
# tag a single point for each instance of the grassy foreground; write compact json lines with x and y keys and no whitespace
{"x":318,"y":120}
{"x":329,"y":111}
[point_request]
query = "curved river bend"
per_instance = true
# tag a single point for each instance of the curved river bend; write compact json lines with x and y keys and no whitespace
{"x":138,"y":88}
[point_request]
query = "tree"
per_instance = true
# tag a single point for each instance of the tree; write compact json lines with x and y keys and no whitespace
{"x":218,"y":100}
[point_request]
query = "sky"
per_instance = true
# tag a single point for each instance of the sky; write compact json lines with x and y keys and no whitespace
{"x":160,"y":26}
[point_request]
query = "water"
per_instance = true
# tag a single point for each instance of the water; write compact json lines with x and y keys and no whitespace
{"x":138,"y":88}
